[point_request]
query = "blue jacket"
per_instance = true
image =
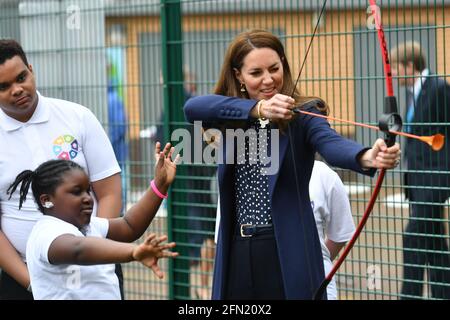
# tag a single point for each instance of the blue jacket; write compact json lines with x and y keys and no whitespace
{"x":295,"y":230}
{"x":117,"y":125}
{"x":432,"y":106}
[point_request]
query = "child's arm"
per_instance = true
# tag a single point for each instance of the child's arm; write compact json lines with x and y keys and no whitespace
{"x":334,"y":248}
{"x":11,"y":263}
{"x":108,"y":192}
{"x":137,"y":219}
{"x":70,"y":249}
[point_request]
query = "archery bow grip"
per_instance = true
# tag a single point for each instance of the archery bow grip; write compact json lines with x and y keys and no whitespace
{"x":390,"y":120}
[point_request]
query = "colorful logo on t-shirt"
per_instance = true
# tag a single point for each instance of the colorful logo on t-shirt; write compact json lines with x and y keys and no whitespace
{"x":65,"y":147}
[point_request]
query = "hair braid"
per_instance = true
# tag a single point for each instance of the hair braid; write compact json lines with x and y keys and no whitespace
{"x":44,"y":180}
{"x":25,"y":177}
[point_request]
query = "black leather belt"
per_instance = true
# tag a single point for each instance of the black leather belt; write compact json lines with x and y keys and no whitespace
{"x":249,"y":230}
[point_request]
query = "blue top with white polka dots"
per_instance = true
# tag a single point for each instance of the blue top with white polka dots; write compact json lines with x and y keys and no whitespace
{"x":252,"y":183}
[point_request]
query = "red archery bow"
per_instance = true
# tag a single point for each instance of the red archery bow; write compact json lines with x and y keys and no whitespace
{"x":390,"y":114}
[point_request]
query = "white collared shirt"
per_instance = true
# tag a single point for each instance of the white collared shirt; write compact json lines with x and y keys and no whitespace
{"x":57,"y":129}
{"x":415,"y":90}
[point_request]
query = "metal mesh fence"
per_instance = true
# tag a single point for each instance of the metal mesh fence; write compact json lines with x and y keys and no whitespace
{"x":155,"y":54}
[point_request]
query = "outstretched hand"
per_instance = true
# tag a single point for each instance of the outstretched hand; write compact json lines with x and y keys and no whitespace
{"x":381,"y":156}
{"x":165,"y":168}
{"x":149,"y":252}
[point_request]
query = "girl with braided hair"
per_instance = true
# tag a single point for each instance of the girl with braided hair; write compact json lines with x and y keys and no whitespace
{"x":69,"y":252}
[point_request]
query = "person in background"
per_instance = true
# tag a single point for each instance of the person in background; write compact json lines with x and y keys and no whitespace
{"x":333,"y":214}
{"x":427,"y":180}
{"x":332,"y":211}
{"x":117,"y":130}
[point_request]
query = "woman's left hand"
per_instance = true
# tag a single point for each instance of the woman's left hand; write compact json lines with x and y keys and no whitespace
{"x":165,"y":168}
{"x":380,"y":156}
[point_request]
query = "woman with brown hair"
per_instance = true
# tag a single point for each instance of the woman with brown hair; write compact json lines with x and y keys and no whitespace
{"x":268,"y":246}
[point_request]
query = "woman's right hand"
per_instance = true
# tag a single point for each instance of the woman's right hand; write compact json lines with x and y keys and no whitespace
{"x":278,"y":107}
{"x":149,"y":252}
{"x":165,"y":168}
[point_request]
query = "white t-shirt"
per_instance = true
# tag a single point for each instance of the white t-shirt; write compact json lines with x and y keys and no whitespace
{"x":332,"y":212}
{"x":58,"y":129}
{"x":68,"y":282}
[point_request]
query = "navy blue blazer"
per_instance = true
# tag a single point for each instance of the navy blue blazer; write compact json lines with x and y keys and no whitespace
{"x":295,"y":229}
{"x":432,"y":113}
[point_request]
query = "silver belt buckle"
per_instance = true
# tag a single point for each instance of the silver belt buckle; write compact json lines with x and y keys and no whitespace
{"x":242,"y":230}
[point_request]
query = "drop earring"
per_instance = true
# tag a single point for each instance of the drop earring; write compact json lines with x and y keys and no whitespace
{"x":48,"y":204}
{"x":243,"y":88}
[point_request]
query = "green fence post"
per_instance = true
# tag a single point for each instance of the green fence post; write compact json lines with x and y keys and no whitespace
{"x":172,"y":69}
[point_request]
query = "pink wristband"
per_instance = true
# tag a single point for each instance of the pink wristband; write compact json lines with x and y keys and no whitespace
{"x":155,"y":190}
